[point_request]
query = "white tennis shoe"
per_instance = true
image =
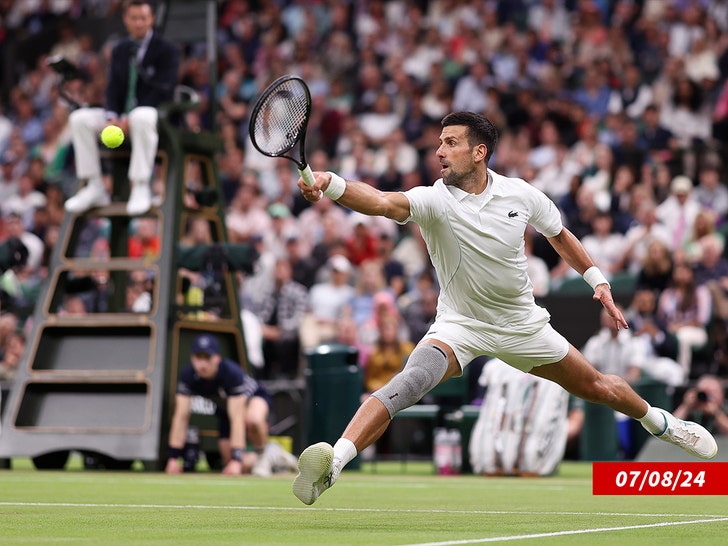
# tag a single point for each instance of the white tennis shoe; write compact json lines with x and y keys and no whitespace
{"x":140,"y":199}
{"x":91,"y":195}
{"x":316,"y":472}
{"x":690,"y":436}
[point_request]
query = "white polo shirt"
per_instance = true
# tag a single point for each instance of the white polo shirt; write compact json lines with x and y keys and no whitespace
{"x":476,"y":243}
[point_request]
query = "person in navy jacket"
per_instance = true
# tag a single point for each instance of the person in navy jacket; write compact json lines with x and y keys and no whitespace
{"x":242,"y":408}
{"x":143,"y":73}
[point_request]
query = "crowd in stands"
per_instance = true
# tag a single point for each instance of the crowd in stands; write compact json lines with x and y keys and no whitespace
{"x":618,"y":110}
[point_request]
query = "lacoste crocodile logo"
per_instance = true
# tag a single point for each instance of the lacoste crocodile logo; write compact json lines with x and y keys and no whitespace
{"x":512,"y":214}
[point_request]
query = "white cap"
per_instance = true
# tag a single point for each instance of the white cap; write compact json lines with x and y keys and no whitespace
{"x":337,"y":262}
{"x":356,"y":218}
{"x":681,"y":184}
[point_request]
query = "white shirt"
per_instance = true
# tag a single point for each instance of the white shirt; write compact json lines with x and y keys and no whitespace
{"x":639,"y":237}
{"x":326,"y":300}
{"x":477,"y":248}
{"x":614,"y":355}
{"x":606,"y":252}
{"x":679,"y":219}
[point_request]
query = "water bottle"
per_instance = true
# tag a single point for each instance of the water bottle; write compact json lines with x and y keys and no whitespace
{"x":456,"y":450}
{"x":442,"y":451}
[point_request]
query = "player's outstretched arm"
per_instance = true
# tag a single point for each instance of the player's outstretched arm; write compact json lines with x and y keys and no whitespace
{"x":574,"y":253}
{"x":359,"y":196}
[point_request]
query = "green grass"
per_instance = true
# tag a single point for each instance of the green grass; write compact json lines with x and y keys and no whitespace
{"x":369,"y":507}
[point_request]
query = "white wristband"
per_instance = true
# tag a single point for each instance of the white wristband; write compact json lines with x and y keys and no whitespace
{"x":336,"y":188}
{"x":594,"y":277}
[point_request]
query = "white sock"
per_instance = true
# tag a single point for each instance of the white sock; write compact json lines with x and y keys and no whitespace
{"x":653,"y":421}
{"x":344,"y":452}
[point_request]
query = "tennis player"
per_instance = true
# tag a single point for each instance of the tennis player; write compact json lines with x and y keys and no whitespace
{"x":473,"y":221}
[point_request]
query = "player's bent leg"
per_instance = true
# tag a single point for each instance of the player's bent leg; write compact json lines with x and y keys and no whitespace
{"x":318,"y":466}
{"x":578,"y":377}
{"x":425,"y":368}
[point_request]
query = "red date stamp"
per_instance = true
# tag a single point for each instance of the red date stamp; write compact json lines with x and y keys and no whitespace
{"x":676,"y":478}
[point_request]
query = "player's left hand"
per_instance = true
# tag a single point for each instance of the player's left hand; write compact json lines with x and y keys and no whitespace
{"x":603,"y":294}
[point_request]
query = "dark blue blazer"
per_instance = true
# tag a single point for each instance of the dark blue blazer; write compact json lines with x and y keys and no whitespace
{"x":158,"y":74}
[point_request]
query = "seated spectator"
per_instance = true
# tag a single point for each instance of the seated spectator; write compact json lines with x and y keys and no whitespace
{"x":657,"y":139}
{"x":393,"y":268}
{"x":25,"y":201}
{"x":362,"y":244}
{"x":420,"y":313}
{"x":304,"y":266}
{"x":703,"y":227}
{"x":326,"y":303}
{"x":633,"y":95}
{"x":139,"y":289}
{"x":711,"y":193}
{"x":383,"y":303}
{"x":9,"y":176}
{"x":617,"y":352}
{"x":604,"y":244}
{"x":246,"y":215}
{"x":647,"y":229}
{"x":281,"y":310}
{"x":711,"y":271}
{"x":8,"y":325}
{"x":144,"y":243}
{"x":378,"y":123}
{"x":282,"y":226}
{"x":13,"y":352}
{"x":685,"y":309}
{"x":679,"y":210}
{"x":687,"y":117}
{"x":705,"y":404}
{"x":660,"y":346}
{"x":15,"y":228}
{"x":370,"y":281}
{"x":388,"y":354}
{"x":347,"y":334}
{"x":73,"y":306}
{"x":656,"y":271}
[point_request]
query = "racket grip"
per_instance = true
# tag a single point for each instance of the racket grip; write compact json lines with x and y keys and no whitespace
{"x":307,"y":175}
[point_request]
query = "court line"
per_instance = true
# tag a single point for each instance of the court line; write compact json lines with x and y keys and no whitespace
{"x":714,"y":517}
{"x":564,"y":533}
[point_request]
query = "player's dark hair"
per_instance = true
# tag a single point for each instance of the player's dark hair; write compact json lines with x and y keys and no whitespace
{"x":480,"y":129}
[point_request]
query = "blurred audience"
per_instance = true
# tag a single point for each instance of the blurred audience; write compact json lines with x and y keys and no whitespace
{"x":617,"y":110}
{"x":705,"y":404}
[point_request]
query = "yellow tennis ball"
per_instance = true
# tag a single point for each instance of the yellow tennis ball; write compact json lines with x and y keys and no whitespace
{"x":112,"y":136}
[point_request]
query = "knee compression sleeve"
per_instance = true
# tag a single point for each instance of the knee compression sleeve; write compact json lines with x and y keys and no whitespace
{"x":425,"y":368}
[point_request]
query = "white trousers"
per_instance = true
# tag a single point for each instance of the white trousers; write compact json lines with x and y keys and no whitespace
{"x":689,"y":338}
{"x":87,"y":123}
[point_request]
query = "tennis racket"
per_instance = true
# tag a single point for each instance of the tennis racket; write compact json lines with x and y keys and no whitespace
{"x":279,"y":120}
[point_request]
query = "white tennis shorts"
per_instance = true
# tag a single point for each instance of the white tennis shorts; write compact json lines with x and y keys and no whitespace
{"x":523,"y":346}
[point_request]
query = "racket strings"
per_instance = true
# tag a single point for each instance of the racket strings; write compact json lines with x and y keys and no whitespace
{"x":281,"y":119}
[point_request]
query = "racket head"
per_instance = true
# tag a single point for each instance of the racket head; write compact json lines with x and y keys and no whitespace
{"x":279,"y":119}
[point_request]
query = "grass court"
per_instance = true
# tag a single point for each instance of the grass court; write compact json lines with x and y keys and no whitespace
{"x":386,"y":505}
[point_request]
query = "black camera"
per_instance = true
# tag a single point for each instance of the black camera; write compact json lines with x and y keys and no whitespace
{"x":702,"y":396}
